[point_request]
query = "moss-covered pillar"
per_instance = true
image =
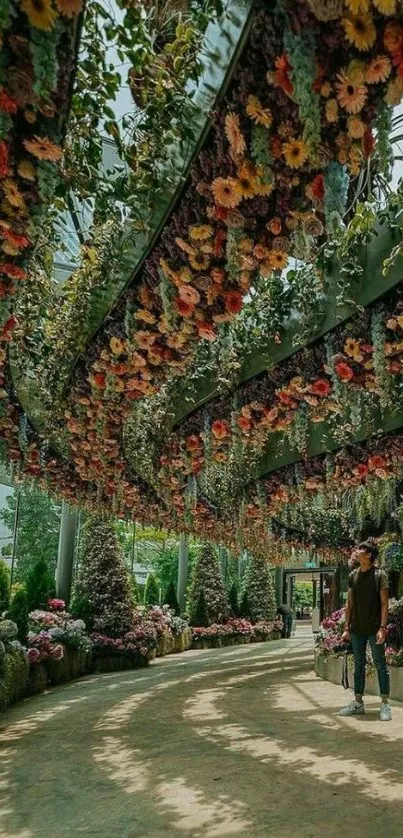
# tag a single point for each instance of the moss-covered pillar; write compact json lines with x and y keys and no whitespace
{"x":65,"y":557}
{"x":183,"y":566}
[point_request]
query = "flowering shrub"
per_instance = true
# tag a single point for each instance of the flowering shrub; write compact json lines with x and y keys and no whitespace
{"x":41,"y":647}
{"x":56,"y":604}
{"x":394,"y":657}
{"x":132,"y":644}
{"x":237,"y":627}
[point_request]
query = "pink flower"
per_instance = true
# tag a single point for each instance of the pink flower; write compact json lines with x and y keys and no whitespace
{"x":33,"y":655}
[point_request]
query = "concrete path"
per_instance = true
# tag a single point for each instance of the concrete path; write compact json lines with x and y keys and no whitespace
{"x":234,"y":742}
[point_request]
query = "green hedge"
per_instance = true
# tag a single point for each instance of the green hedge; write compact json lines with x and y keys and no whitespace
{"x":14,"y":671}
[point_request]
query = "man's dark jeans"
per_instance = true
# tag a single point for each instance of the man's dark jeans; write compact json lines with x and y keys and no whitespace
{"x":359,"y":644}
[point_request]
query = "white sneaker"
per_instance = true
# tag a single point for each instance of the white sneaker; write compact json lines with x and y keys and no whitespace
{"x":385,"y":714}
{"x":352,"y":709}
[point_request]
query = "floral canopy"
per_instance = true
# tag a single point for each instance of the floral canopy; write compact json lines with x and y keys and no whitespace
{"x":213,"y":384}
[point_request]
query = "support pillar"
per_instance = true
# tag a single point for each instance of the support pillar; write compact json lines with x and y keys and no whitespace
{"x":278,"y":582}
{"x":65,"y":557}
{"x":183,"y":567}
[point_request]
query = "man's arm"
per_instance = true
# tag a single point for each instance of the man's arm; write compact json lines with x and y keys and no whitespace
{"x":349,"y":614}
{"x":381,"y":636}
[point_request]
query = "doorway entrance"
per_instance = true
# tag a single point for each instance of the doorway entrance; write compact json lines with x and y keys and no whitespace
{"x":312,"y":593}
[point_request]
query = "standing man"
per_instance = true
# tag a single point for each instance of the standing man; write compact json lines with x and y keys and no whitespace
{"x":366,"y":621}
{"x":284,"y":611}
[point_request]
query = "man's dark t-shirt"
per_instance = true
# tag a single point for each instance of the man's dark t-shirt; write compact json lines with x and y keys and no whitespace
{"x":366,"y":617}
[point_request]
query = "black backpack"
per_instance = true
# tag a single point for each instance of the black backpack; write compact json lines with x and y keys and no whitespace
{"x":354,"y":574}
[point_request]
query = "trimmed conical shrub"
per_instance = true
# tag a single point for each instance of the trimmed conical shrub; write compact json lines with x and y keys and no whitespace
{"x":18,"y":613}
{"x":102,"y":595}
{"x":244,"y":607}
{"x":200,"y":615}
{"x":39,"y":585}
{"x":151,"y":591}
{"x":171,"y":599}
{"x":207,"y":578}
{"x":259,"y":591}
{"x":4,"y":587}
{"x":233,"y":599}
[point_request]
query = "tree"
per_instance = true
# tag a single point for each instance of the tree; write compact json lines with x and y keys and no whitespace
{"x":207,"y":579}
{"x":38,"y":529}
{"x":171,"y":599}
{"x":303,"y":595}
{"x":19,"y":612}
{"x":102,"y":596}
{"x":244,"y":607}
{"x":233,"y":599}
{"x":4,"y":587}
{"x":151,"y":591}
{"x":259,"y":589}
{"x":39,"y":585}
{"x":200,"y":615}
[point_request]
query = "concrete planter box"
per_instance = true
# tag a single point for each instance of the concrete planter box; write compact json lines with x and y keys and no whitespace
{"x":329,"y":668}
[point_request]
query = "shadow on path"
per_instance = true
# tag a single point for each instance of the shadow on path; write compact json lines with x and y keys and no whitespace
{"x":231,"y":742}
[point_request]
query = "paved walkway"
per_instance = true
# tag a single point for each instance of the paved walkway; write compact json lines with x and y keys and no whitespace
{"x":234,"y":742}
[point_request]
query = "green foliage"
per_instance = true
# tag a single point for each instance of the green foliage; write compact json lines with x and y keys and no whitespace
{"x":200,"y":615}
{"x":171,"y":599}
{"x":13,"y":676}
{"x":259,"y":589}
{"x":4,"y":587}
{"x":303,"y":595}
{"x":134,"y":589}
{"x":18,"y":612}
{"x":233,"y":599}
{"x":151,"y":591}
{"x":38,"y":529}
{"x":102,"y":596}
{"x":244,"y":607}
{"x":39,"y":585}
{"x":207,"y":579}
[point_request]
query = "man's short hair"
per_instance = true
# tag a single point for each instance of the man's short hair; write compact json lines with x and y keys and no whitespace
{"x":371,"y":548}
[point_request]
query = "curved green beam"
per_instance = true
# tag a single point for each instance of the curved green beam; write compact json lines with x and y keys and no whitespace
{"x":372,"y":286}
{"x":222,"y":45}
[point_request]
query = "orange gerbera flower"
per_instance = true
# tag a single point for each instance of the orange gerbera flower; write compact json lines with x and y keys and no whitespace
{"x":378,"y":70}
{"x":199,"y":261}
{"x":234,"y":134}
{"x":43,"y":149}
{"x":40,"y":13}
{"x":295,"y":153}
{"x":278,"y":259}
{"x":117,"y":346}
{"x":184,"y":308}
{"x":351,"y":97}
{"x":233,"y":302}
{"x":13,"y":194}
{"x":190,"y":294}
{"x":258,"y":114}
{"x":206,"y":331}
{"x":226,"y":192}
{"x":247,"y":180}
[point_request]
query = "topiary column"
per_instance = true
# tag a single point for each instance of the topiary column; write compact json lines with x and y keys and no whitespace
{"x":258,"y":591}
{"x":19,"y":613}
{"x":39,"y":585}
{"x":170,"y":598}
{"x":151,"y":591}
{"x":207,"y":579}
{"x":102,"y":596}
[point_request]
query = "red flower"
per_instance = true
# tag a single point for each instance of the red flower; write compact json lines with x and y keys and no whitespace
{"x":19,"y":241}
{"x":244,"y":424}
{"x":193,"y":442}
{"x":12,"y":271}
{"x":99,"y":380}
{"x":285,"y":398}
{"x":368,"y":143}
{"x":321,"y":387}
{"x":361,"y":470}
{"x":376,"y":462}
{"x":233,"y":302}
{"x":220,"y":428}
{"x":344,"y":372}
{"x":318,"y":187}
{"x":8,"y":327}
{"x":281,"y":74}
{"x":7,"y":104}
{"x":4,"y":162}
{"x":183,"y":307}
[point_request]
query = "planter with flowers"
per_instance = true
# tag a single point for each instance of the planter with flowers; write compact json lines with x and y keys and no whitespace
{"x":237,"y":631}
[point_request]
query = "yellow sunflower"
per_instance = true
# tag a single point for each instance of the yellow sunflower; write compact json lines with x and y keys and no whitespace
{"x":226,"y":193}
{"x":295,"y":153}
{"x":378,"y":70}
{"x":40,"y":13}
{"x":246,"y":180}
{"x":234,"y":134}
{"x":201,"y":232}
{"x":360,"y":31}
{"x":259,"y":114}
{"x":385,"y":7}
{"x":199,"y":261}
{"x":352,"y":348}
{"x":117,"y":346}
{"x":278,"y":260}
{"x":351,"y":97}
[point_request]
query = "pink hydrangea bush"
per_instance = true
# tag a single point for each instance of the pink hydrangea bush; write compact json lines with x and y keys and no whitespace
{"x":237,"y":627}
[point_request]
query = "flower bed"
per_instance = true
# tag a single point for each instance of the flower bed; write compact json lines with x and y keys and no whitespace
{"x":235,"y":632}
{"x":59,"y":649}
